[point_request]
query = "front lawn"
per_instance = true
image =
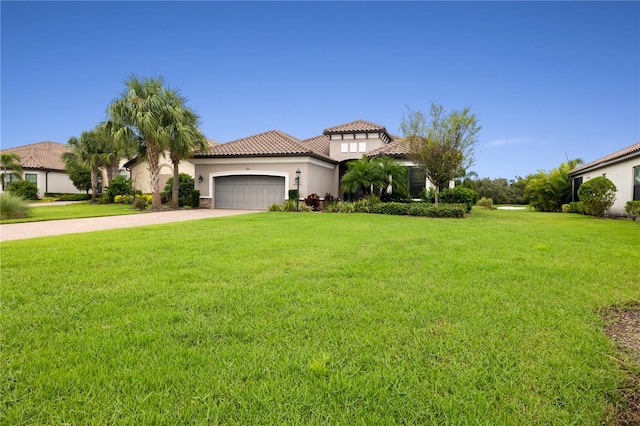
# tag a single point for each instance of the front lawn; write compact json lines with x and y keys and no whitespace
{"x":74,"y":211}
{"x":284,"y":318}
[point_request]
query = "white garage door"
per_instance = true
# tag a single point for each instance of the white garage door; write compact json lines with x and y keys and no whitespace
{"x":248,"y":192}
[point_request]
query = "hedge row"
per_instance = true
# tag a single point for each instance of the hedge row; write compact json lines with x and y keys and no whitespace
{"x":420,"y":209}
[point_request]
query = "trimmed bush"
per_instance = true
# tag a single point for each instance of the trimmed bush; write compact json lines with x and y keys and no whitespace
{"x":632,"y":208}
{"x":119,"y":185}
{"x":123,"y":199}
{"x":598,"y":195}
{"x":186,"y":191}
{"x":428,"y":196}
{"x":459,"y":195}
{"x":23,"y":189}
{"x":487,"y":203}
{"x":12,"y":207}
{"x":421,"y":209}
{"x":74,"y":197}
{"x":577,"y":207}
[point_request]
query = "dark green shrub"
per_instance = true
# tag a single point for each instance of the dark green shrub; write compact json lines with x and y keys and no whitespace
{"x":186,"y":191}
{"x":12,"y":207}
{"x":24,"y":189}
{"x":140,"y":203}
{"x":428,"y":196}
{"x":119,"y":185}
{"x":74,"y":197}
{"x":313,"y":201}
{"x":459,"y":195}
{"x":632,"y":208}
{"x":598,"y":195}
{"x":421,"y":209}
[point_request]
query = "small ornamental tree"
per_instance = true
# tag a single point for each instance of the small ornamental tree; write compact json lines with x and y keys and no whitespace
{"x":597,"y":195}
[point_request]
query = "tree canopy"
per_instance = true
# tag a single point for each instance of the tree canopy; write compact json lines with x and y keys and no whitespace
{"x":441,"y":144}
{"x":155,"y":118}
{"x":10,"y":163}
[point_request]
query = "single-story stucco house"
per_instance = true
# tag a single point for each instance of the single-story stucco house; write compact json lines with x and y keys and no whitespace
{"x":259,"y":170}
{"x":622,"y":168}
{"x":42,"y":165}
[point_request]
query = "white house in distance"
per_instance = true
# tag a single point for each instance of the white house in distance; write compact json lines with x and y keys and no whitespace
{"x":622,"y":168}
{"x":42,"y":165}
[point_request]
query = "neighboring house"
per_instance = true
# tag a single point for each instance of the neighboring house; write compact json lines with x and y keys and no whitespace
{"x":42,"y":165}
{"x":257,"y":171}
{"x":622,"y":168}
{"x":138,"y":170}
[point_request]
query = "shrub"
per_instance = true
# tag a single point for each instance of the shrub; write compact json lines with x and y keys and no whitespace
{"x":12,"y":207}
{"x":487,"y":203}
{"x":289,"y":206}
{"x":328,"y":199}
{"x":140,"y":203}
{"x":119,"y":185}
{"x":632,"y":208}
{"x":275,"y":207}
{"x":421,"y":209}
{"x":428,"y":196}
{"x":577,"y":207}
{"x":597,"y":195}
{"x":459,"y":195}
{"x":74,"y":197}
{"x":186,"y":191}
{"x":340,"y":207}
{"x":123,"y":199}
{"x":23,"y":189}
{"x":313,"y":201}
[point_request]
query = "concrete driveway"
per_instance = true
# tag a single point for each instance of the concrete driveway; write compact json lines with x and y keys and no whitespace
{"x":19,"y":231}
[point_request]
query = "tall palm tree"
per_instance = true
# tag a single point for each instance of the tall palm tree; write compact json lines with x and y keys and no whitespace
{"x":114,"y":149}
{"x":10,"y":163}
{"x":151,"y":115}
{"x":185,"y":138}
{"x":362,"y":175}
{"x":87,"y":151}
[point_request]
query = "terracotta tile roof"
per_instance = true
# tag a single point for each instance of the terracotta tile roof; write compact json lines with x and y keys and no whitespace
{"x":319,"y":144}
{"x":358,"y":126}
{"x":273,"y":143}
{"x":630,"y":151}
{"x":41,"y":155}
{"x":397,"y":148}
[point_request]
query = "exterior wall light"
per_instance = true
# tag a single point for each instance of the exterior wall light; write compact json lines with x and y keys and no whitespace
{"x":200,"y":179}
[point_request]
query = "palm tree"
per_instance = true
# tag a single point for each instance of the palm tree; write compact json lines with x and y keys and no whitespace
{"x":151,"y":115}
{"x":114,"y":150}
{"x":185,"y":139}
{"x":362,"y":175}
{"x":394,"y":175}
{"x":10,"y":166}
{"x":87,"y":151}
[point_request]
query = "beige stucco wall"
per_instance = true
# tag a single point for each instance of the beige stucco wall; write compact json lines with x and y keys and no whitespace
{"x":141,"y":176}
{"x":355,"y":145}
{"x":53,"y":181}
{"x":621,"y":174}
{"x":315,"y":175}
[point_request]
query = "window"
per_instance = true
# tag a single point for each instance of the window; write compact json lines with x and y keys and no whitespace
{"x":353,"y":146}
{"x":31,"y":177}
{"x":576,"y":185}
{"x":417,"y":182}
{"x":636,"y":183}
{"x":362,"y":147}
{"x":11,"y":177}
{"x":344,"y":147}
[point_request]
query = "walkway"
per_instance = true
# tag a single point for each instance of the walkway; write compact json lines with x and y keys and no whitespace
{"x":19,"y":231}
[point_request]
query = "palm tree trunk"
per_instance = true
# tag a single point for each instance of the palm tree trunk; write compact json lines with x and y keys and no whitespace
{"x":94,"y":185}
{"x":175,"y":189}
{"x":153,"y":154}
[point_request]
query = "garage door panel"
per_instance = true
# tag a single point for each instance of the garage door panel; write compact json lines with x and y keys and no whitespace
{"x":248,"y":192}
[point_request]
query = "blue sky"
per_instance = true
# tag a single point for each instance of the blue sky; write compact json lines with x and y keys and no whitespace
{"x":547,"y":80}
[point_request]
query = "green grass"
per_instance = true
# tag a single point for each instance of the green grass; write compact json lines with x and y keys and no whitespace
{"x":280,"y":318}
{"x":74,"y":211}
